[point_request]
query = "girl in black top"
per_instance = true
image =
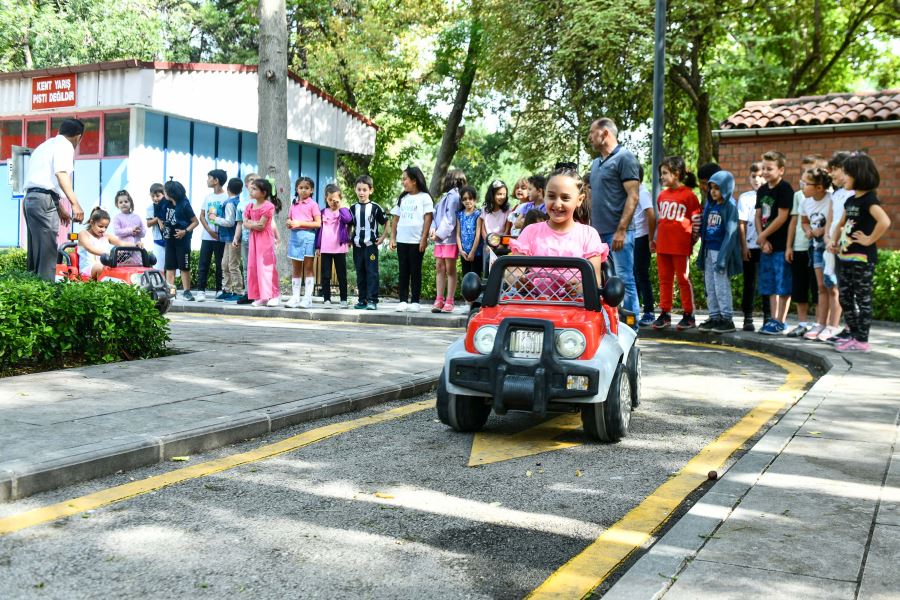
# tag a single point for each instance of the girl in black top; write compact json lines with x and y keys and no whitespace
{"x":863,"y":224}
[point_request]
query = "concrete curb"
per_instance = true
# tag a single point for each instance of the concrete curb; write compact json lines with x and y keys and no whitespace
{"x":654,"y":572}
{"x":20,"y":479}
{"x":383,"y":316}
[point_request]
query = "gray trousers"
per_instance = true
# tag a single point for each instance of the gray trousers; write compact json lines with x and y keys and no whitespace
{"x":42,"y":220}
{"x":718,"y":288}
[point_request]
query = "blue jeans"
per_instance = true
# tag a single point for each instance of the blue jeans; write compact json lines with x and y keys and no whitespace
{"x":622,"y":266}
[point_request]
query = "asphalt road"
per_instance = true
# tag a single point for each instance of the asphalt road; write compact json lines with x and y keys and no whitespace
{"x":389,"y":510}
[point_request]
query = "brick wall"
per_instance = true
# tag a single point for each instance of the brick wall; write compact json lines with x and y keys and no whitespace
{"x":736,"y":155}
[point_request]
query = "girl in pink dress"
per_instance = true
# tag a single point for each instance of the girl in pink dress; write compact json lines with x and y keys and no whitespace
{"x":262,"y":276}
{"x":128,"y":226}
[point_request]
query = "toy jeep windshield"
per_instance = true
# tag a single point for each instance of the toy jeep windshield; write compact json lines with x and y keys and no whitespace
{"x":543,"y":337}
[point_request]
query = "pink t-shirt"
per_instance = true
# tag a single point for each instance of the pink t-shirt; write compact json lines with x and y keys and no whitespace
{"x":494,"y":222}
{"x":305,"y":210}
{"x":331,"y":233}
{"x":538,"y":239}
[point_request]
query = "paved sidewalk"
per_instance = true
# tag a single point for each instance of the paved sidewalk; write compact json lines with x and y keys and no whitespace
{"x":812,"y":510}
{"x":61,"y":427}
{"x":385,"y":315}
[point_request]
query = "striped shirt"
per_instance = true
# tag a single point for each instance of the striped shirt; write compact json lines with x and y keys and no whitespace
{"x":366,"y":219}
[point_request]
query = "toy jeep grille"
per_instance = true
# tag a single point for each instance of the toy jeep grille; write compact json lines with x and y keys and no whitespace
{"x":543,"y":285}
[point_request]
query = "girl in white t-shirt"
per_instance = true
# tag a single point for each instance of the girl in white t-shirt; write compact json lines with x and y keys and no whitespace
{"x":93,"y":241}
{"x":409,"y":235}
{"x":813,"y":216}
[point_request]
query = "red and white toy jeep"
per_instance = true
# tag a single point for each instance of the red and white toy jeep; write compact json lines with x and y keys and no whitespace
{"x":118,"y":266}
{"x":543,"y":337}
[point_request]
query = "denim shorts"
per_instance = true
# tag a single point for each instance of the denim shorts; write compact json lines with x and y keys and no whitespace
{"x":774,"y":275}
{"x":302,"y":244}
{"x":817,"y":256}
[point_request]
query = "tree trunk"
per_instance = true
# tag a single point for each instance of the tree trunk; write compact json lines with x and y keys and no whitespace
{"x":704,"y":130}
{"x":272,"y":146}
{"x":453,"y":132}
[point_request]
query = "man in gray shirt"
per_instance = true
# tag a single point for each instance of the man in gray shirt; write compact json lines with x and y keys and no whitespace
{"x":615,"y":185}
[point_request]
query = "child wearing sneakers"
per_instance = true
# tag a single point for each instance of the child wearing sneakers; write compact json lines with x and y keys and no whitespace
{"x":749,"y":248}
{"x":225,"y":221}
{"x":367,"y":216}
{"x":720,"y":251}
{"x":332,"y":241}
{"x":834,"y":334}
{"x":863,"y":224}
{"x":774,"y":200}
{"x":813,"y":219}
{"x":443,"y":234}
{"x":303,"y":220}
{"x":803,"y":278}
{"x":676,"y":233}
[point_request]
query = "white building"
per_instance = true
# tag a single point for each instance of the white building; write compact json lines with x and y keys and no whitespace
{"x":148,"y":122}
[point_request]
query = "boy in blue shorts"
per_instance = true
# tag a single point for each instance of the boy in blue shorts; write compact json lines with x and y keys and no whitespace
{"x":774,"y":200}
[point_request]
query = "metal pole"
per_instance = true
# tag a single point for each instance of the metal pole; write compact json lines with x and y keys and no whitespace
{"x":659,"y":72}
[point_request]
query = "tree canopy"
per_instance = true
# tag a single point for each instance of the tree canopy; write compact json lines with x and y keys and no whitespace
{"x":536,"y":71}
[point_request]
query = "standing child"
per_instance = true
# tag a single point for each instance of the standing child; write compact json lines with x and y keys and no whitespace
{"x":127,"y":226}
{"x":333,"y":242}
{"x":226,"y":224}
{"x":242,"y":234}
{"x":644,"y":245}
{"x":210,"y":244}
{"x":444,"y":235}
{"x":155,"y":215}
{"x":676,"y":233}
{"x":468,"y":234}
{"x":750,"y":248}
{"x":803,"y":278}
{"x":180,"y":223}
{"x":303,"y":221}
{"x":494,"y":216}
{"x":367,"y":216}
{"x":262,"y":276}
{"x":93,"y":241}
{"x":839,"y":195}
{"x":720,"y":251}
{"x":863,"y":224}
{"x":409,"y":235}
{"x":773,"y":205}
{"x":814,"y":216}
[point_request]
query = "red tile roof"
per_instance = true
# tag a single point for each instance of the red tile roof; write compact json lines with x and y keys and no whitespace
{"x":860,"y":107}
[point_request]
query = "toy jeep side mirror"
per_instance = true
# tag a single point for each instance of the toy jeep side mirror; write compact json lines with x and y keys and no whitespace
{"x":613,"y":292}
{"x":108,"y":259}
{"x":471,"y":287}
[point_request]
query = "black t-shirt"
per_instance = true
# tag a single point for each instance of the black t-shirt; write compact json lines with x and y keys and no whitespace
{"x":859,"y":218}
{"x":769,"y":201}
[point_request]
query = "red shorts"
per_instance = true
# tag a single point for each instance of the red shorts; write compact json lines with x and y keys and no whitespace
{"x":446,"y":251}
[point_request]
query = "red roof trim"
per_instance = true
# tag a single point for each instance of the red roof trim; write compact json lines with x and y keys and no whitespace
{"x":194,"y":67}
{"x":853,"y":107}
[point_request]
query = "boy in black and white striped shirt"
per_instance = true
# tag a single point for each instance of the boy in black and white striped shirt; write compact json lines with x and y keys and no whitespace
{"x":367,"y":216}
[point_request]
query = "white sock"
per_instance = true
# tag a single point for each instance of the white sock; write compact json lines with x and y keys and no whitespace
{"x":295,"y":286}
{"x":310,"y":282}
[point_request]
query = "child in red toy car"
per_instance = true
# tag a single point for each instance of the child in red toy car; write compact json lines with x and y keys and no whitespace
{"x":93,"y":241}
{"x":561,"y":235}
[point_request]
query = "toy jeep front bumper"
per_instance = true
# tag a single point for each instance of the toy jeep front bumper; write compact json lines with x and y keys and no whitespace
{"x":528,"y":384}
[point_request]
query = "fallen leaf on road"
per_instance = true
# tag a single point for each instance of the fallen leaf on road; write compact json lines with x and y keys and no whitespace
{"x":528,"y":473}
{"x":383,"y":495}
{"x":815,"y":433}
{"x":578,"y":473}
{"x":180,"y":458}
{"x":495,"y":503}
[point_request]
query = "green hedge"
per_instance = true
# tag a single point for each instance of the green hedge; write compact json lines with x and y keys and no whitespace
{"x":886,"y":292}
{"x":13,"y":260}
{"x":44,"y":325}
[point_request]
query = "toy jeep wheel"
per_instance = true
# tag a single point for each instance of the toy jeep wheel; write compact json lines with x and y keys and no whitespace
{"x":462,"y":413}
{"x":634,"y":374}
{"x":608,"y":421}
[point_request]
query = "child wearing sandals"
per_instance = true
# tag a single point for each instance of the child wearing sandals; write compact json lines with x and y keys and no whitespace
{"x":443,"y":234}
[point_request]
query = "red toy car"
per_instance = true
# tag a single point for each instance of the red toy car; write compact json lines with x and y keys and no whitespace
{"x":117,"y":267}
{"x":543,"y":337}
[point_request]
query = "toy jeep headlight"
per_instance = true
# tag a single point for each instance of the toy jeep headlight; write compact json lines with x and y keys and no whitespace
{"x":484,"y":339}
{"x":570,"y":343}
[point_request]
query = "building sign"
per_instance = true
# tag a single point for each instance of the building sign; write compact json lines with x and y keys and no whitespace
{"x":53,"y":92}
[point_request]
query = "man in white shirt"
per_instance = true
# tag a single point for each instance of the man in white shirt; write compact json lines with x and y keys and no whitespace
{"x":50,"y":177}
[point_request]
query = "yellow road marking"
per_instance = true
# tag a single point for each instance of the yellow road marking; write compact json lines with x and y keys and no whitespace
{"x":490,"y":448}
{"x":584,"y":572}
{"x":76,"y":506}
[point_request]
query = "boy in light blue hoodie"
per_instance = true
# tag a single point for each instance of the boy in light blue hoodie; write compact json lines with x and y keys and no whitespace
{"x":720,"y":251}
